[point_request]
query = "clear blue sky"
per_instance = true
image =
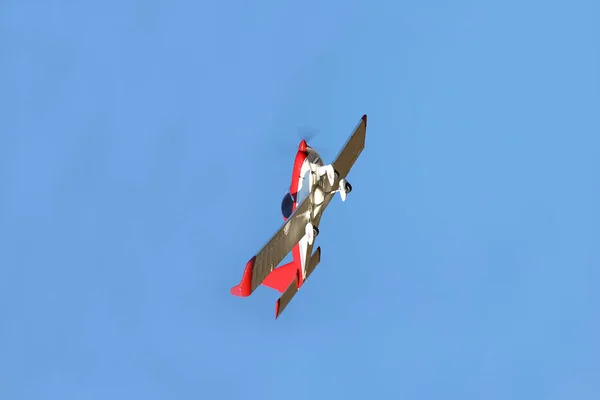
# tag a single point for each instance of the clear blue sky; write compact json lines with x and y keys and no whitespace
{"x":145,"y":147}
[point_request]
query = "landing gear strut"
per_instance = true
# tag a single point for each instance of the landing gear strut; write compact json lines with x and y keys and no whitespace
{"x":344,"y":187}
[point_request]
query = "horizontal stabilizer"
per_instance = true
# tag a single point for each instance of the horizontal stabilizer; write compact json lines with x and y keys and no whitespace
{"x":292,"y":289}
{"x":281,"y":277}
{"x":315,"y":259}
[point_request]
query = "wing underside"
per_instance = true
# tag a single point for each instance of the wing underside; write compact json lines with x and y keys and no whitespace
{"x":272,"y":253}
{"x":352,"y":148}
{"x":343,"y":163}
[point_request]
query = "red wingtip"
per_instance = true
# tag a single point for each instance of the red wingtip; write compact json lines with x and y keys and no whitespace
{"x":302,"y":146}
{"x":277,"y":309}
{"x":245,"y":286}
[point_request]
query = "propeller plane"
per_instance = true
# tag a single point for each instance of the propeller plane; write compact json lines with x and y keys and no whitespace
{"x":313,"y":186}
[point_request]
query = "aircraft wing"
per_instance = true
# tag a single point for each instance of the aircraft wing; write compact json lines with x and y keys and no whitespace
{"x":352,"y":149}
{"x":272,"y":253}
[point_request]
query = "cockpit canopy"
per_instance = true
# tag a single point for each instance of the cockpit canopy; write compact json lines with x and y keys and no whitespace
{"x":287,"y":205}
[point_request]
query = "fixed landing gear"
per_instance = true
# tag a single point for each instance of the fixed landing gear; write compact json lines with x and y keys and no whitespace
{"x":348,"y":187}
{"x":324,"y":170}
{"x":344,"y":187}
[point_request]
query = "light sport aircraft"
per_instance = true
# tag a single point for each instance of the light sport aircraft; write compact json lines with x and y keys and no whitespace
{"x":313,"y":187}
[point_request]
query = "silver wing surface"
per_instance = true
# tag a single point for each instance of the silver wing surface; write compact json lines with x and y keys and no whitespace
{"x":282,"y":242}
{"x":352,"y":148}
{"x":343,"y":164}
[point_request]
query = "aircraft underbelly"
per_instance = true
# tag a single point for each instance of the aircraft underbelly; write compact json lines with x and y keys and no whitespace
{"x":305,"y":187}
{"x":303,"y":243}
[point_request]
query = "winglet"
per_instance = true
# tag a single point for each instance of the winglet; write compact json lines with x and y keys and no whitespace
{"x":245,"y":286}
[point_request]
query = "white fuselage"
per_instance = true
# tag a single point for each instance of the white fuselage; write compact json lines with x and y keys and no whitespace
{"x":306,"y":184}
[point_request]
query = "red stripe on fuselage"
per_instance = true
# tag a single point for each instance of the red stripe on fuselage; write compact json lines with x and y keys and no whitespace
{"x":298,"y":162}
{"x":243,"y":289}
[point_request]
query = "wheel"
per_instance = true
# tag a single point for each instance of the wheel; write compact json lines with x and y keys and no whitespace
{"x":336,"y":175}
{"x":315,"y":231}
{"x":348,"y":188}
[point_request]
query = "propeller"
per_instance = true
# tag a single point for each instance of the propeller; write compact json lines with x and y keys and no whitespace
{"x":306,"y":133}
{"x":287,"y":145}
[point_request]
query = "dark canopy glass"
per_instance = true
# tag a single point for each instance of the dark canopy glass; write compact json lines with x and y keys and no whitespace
{"x":287,"y":204}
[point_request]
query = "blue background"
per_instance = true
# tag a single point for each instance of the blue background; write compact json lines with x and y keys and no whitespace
{"x":146,"y":146}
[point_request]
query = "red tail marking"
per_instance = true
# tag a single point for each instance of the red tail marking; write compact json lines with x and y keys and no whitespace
{"x":281,"y":277}
{"x":243,"y":289}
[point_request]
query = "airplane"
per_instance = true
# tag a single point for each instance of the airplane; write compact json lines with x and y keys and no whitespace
{"x":313,"y":186}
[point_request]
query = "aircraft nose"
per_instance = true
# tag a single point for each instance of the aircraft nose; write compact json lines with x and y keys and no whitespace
{"x":302,"y":146}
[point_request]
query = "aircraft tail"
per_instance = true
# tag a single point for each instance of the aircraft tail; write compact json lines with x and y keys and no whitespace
{"x":281,"y":277}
